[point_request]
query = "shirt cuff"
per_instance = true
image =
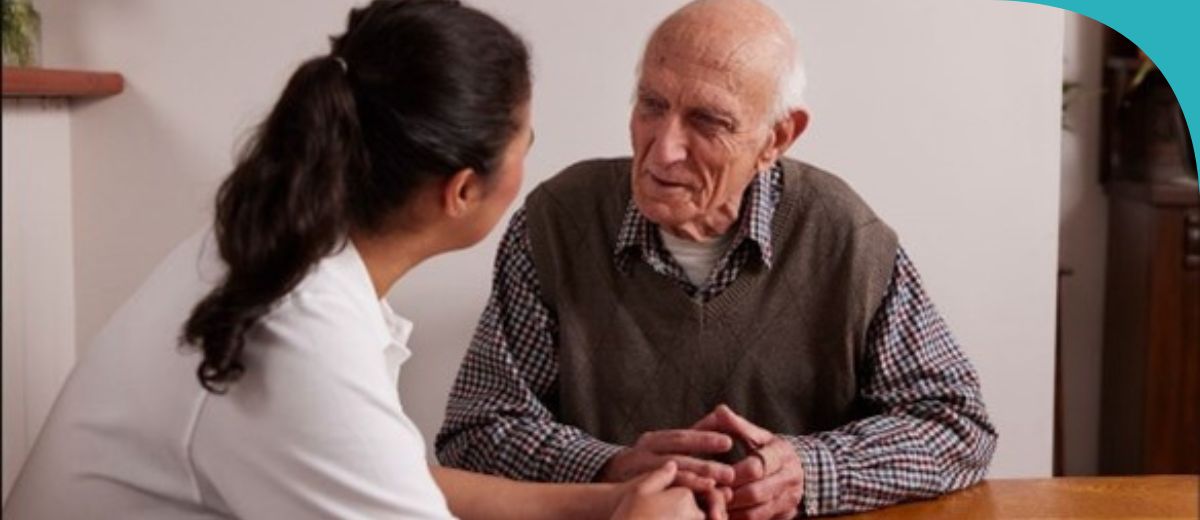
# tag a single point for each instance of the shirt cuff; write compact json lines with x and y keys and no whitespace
{"x":820,"y":476}
{"x":582,"y":460}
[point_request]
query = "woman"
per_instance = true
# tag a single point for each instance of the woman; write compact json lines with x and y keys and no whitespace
{"x":405,"y":142}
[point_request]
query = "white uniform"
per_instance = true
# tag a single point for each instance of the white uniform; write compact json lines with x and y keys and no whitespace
{"x":313,"y":429}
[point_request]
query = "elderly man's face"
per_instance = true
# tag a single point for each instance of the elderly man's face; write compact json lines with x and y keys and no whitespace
{"x":700,"y":131}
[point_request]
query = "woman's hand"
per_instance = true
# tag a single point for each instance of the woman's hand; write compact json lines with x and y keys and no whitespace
{"x":661,"y":494}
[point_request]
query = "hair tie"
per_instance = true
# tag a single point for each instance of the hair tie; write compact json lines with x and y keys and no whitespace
{"x":342,"y":63}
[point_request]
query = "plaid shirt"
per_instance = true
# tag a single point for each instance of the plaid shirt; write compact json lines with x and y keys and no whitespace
{"x":931,"y":434}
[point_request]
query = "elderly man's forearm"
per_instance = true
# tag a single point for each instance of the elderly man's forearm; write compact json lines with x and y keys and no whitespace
{"x":526,"y":449}
{"x":887,"y":459}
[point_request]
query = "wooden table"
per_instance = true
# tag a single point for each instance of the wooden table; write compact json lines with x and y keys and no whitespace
{"x":1069,"y":497}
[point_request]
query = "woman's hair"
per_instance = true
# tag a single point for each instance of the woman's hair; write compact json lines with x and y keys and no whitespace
{"x":414,"y":90}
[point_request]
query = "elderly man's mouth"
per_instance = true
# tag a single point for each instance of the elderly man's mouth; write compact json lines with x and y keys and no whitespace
{"x":667,"y":184}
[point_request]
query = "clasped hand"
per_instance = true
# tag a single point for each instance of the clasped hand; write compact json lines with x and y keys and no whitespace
{"x":768,"y":484}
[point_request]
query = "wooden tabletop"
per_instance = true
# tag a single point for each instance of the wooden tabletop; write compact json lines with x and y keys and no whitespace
{"x":1069,"y":497}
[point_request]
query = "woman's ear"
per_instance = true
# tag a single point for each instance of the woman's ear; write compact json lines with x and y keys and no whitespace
{"x":461,"y":192}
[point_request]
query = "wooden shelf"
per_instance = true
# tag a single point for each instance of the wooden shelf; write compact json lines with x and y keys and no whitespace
{"x":1184,"y":192}
{"x":37,"y":82}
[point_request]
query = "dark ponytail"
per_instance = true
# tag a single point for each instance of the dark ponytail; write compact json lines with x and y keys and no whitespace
{"x":414,"y":90}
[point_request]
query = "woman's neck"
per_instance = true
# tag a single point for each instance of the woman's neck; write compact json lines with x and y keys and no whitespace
{"x":389,"y":257}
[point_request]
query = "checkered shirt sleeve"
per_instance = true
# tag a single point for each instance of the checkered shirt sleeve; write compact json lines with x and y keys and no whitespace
{"x":496,"y":419}
{"x":931,"y":435}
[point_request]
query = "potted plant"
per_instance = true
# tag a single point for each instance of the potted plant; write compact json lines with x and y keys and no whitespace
{"x":1153,"y":141}
{"x":21,"y":32}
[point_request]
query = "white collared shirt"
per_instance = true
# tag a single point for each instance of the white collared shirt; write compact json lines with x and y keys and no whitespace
{"x":313,"y":429}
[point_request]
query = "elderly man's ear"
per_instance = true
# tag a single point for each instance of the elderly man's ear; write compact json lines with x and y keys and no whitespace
{"x":784,"y":133}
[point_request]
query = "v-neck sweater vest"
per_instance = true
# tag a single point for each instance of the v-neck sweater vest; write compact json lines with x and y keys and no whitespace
{"x":783,"y":345}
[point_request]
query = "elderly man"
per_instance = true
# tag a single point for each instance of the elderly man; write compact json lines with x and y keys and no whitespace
{"x":710,"y":298}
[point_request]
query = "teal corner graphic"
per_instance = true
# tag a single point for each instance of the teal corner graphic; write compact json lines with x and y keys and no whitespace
{"x":1169,"y":33}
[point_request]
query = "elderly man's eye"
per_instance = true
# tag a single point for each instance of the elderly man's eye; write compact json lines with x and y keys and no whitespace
{"x":710,"y":123}
{"x":652,"y":105}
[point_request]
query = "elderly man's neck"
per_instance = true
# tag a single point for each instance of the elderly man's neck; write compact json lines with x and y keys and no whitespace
{"x":710,"y":227}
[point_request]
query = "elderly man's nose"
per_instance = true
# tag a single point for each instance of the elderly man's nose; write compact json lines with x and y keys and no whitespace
{"x":670,"y":144}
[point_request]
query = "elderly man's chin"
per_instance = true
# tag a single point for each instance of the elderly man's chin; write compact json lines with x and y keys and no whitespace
{"x":671,"y":211}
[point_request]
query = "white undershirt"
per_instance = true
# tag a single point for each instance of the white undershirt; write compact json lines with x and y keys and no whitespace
{"x":313,"y":429}
{"x":696,"y":258}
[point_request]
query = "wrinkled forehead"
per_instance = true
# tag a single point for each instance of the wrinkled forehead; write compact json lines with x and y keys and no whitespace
{"x":718,"y":58}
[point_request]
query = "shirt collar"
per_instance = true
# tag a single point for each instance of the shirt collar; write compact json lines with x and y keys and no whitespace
{"x":638,"y":236}
{"x":398,"y":326}
{"x":347,"y":269}
{"x":397,"y":351}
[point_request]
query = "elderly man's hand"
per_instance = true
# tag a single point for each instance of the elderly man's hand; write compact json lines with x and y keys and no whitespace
{"x":653,"y":449}
{"x":769,"y":483}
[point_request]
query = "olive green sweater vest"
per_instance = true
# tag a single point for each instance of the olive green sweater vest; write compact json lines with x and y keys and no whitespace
{"x":781,"y":345}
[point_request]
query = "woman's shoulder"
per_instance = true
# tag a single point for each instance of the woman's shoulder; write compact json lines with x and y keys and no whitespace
{"x":332,"y":311}
{"x":319,"y":320}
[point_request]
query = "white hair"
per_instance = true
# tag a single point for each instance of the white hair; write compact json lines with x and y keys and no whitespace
{"x":792,"y":80}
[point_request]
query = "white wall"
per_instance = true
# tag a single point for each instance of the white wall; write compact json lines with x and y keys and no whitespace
{"x":146,"y":162}
{"x":38,"y":284}
{"x":944,"y":114}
